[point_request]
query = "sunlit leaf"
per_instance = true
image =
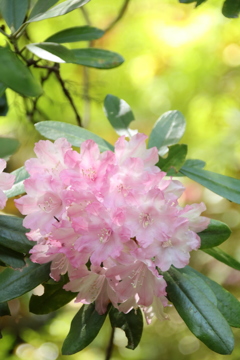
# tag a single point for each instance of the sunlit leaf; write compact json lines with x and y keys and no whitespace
{"x":74,"y":34}
{"x":84,"y":328}
{"x":18,"y":188}
{"x":220,"y":255}
{"x":41,"y":7}
{"x":74,"y":134}
{"x":97,"y":58}
{"x":175,"y":159}
{"x":52,"y":52}
{"x":215,"y":234}
{"x":11,"y":258}
{"x":8,"y":146}
{"x":231,"y":8}
{"x":13,"y":12}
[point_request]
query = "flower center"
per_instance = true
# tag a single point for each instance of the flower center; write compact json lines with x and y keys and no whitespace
{"x":145,"y":219}
{"x":49,"y":202}
{"x":104,"y":235}
{"x":89,"y":173}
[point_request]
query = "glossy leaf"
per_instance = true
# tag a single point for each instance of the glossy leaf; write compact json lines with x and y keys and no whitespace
{"x":175,"y":159}
{"x":41,"y":7}
{"x":18,"y":188}
{"x":119,"y":115}
{"x":13,"y":12}
{"x":167,"y":131}
{"x":224,"y":186}
{"x":3,"y":105}
{"x":4,"y":309}
{"x":227,"y":304}
{"x":8,"y":146}
{"x":97,"y":58}
{"x":216,"y":233}
{"x":15,"y":75}
{"x":11,"y":258}
{"x":199,"y":311}
{"x":74,"y":34}
{"x":220,"y":255}
{"x":14,"y":283}
{"x":131,"y":323}
{"x":74,"y":134}
{"x":231,"y":8}
{"x":58,"y":10}
{"x":52,"y":52}
{"x":12,"y":234}
{"x":84,"y":328}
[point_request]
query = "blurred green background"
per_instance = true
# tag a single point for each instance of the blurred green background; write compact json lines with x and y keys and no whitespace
{"x":176,"y":57}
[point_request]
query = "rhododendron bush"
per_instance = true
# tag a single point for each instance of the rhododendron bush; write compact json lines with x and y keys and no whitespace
{"x":103,"y":225}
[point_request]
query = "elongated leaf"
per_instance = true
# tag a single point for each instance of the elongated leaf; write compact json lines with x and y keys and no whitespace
{"x":97,"y":58}
{"x":119,"y":115}
{"x":4,"y":309}
{"x":224,"y":186}
{"x":54,"y":297}
{"x":13,"y":12}
{"x":58,"y":10}
{"x":8,"y":147}
{"x":198,"y":2}
{"x":52,"y":52}
{"x":15,"y":75}
{"x":77,"y":33}
{"x":131,"y":324}
{"x":227,"y":304}
{"x":18,"y":188}
{"x":84,"y":328}
{"x":175,"y":159}
{"x":74,"y":134}
{"x":168,"y":130}
{"x":11,"y":258}
{"x":12,"y":234}
{"x":14,"y":283}
{"x":198,"y":311}
{"x":41,"y":7}
{"x":220,"y":255}
{"x":215,"y":234}
{"x":231,"y":8}
{"x":2,"y":89}
{"x":194,"y":163}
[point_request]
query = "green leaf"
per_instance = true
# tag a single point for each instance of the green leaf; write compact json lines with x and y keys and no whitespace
{"x":194,"y":163}
{"x":215,"y":234}
{"x":18,"y":188}
{"x":198,"y":2}
{"x":58,"y":10}
{"x":41,"y":7}
{"x":175,"y":159}
{"x":12,"y":234}
{"x":220,"y":255}
{"x":131,"y":324}
{"x":222,"y":185}
{"x":15,"y":75}
{"x":119,"y":114}
{"x":168,"y":130}
{"x":13,"y":12}
{"x":8,"y":146}
{"x":84,"y":328}
{"x":3,"y":105}
{"x":198,"y":310}
{"x":52,"y":52}
{"x":14,"y":283}
{"x":227,"y":304}
{"x":2,"y":89}
{"x":11,"y":258}
{"x":77,"y":33}
{"x":54,"y":297}
{"x":231,"y":8}
{"x":4,"y":309}
{"x":74,"y":134}
{"x":97,"y":58}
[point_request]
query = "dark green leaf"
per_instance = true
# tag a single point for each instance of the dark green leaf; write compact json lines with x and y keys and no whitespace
{"x":11,"y":258}
{"x":54,"y":297}
{"x":119,"y":114}
{"x":220,"y":255}
{"x":14,"y":283}
{"x":18,"y":188}
{"x":194,"y":163}
{"x":4,"y":309}
{"x":131,"y":324}
{"x":52,"y":52}
{"x":15,"y":75}
{"x":58,"y":10}
{"x":168,"y":130}
{"x":12,"y":234}
{"x":74,"y":34}
{"x":227,"y":304}
{"x":198,"y":2}
{"x":198,"y":310}
{"x":41,"y":7}
{"x":231,"y":8}
{"x":215,"y":234}
{"x":74,"y":134}
{"x":2,"y":89}
{"x":8,"y":147}
{"x":3,"y":105}
{"x":175,"y":159}
{"x":97,"y":58}
{"x":13,"y":12}
{"x":224,"y":186}
{"x":84,"y":328}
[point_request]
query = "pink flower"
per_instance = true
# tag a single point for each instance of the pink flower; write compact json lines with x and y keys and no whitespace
{"x":6,"y":182}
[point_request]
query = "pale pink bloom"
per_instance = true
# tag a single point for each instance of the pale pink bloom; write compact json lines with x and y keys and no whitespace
{"x":6,"y":182}
{"x":192,"y":212}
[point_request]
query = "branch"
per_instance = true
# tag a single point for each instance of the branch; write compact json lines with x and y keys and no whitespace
{"x":119,"y":16}
{"x":110,"y":345}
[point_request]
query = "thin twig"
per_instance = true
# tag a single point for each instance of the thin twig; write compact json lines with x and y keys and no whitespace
{"x":119,"y":16}
{"x":110,"y":345}
{"x":86,"y":16}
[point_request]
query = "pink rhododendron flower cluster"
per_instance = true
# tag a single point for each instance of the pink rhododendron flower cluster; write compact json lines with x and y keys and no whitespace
{"x":110,"y":220}
{"x":6,"y":182}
